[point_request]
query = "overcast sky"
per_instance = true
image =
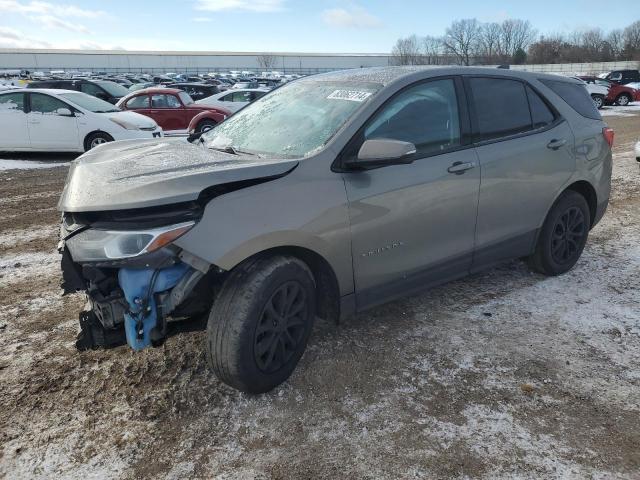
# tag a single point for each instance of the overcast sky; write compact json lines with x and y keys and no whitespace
{"x":277,"y":25}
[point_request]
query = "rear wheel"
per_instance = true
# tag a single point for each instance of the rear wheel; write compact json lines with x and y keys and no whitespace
{"x":95,"y":139}
{"x":598,"y":101}
{"x":563,"y":235}
{"x":623,"y":99}
{"x":205,"y":126}
{"x":260,"y":323}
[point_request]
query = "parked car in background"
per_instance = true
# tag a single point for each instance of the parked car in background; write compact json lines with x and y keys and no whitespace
{"x":197,"y":91}
{"x":327,"y":197}
{"x":234,"y":100}
{"x":622,"y":76}
{"x":637,"y":149}
{"x":597,"y":92}
{"x":172,"y":109}
{"x":66,"y":120}
{"x":140,"y":86}
{"x":245,"y":84}
{"x":103,"y":89}
{"x":125,"y":82}
{"x":162,"y":80}
{"x":618,"y":94}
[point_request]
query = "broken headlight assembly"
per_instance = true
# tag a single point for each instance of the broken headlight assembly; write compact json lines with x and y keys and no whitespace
{"x":95,"y":245}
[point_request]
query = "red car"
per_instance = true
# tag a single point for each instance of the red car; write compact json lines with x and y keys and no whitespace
{"x":618,"y":94}
{"x":173,"y":110}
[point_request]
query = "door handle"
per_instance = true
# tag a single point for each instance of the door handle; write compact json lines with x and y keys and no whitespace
{"x":459,"y":167}
{"x":555,"y":144}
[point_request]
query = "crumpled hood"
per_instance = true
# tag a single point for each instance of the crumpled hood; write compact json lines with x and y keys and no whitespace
{"x":145,"y":173}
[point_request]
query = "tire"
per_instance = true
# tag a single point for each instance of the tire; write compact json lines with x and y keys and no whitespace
{"x":254,"y":337}
{"x":205,"y":125}
{"x":95,"y":139}
{"x":563,"y":235}
{"x":598,"y":101}
{"x":623,"y":99}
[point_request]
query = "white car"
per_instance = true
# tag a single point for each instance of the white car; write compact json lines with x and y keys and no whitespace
{"x":234,"y":100}
{"x":597,"y":92}
{"x":638,"y":151}
{"x":63,"y":120}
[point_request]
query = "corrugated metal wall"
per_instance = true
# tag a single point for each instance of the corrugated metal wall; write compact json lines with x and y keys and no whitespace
{"x":196,"y":62}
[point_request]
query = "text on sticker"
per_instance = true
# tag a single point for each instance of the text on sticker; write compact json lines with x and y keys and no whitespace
{"x":352,"y":95}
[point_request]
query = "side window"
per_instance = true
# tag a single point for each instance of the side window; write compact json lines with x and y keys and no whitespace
{"x":541,"y":114}
{"x":241,"y":97}
{"x":164,"y":101}
{"x":45,"y":104}
{"x":173,"y":102}
{"x":576,"y":96}
{"x":227,"y":98}
{"x":91,"y":89}
{"x":425,"y":115}
{"x":501,"y":107}
{"x":12,"y":102}
{"x":141,"y":101}
{"x":159,"y":101}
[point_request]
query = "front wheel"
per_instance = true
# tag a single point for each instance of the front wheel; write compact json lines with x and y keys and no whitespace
{"x":95,"y":139}
{"x":563,"y":235}
{"x":260,"y":323}
{"x":598,"y":101}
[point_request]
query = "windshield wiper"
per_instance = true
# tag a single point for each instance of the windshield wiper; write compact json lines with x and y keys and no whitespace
{"x":232,"y":150}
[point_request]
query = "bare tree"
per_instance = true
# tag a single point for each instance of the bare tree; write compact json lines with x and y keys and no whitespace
{"x":267,"y":61}
{"x":432,"y":49}
{"x":632,"y":40}
{"x":490,"y":41}
{"x":407,"y":51}
{"x":462,"y":40}
{"x":615,"y":40}
{"x":593,"y":44}
{"x":523,"y":34}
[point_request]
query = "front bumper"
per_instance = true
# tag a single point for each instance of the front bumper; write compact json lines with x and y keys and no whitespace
{"x":123,"y":134}
{"x":131,"y":301}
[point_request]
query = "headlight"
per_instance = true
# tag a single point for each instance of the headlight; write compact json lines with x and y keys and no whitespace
{"x":124,"y":123}
{"x":99,"y":245}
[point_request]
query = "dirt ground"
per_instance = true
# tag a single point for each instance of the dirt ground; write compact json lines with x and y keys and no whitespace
{"x":503,"y":374}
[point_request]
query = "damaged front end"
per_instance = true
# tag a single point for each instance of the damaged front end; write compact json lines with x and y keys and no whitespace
{"x":141,"y":288}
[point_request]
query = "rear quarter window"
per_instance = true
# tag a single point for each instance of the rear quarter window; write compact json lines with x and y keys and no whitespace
{"x":576,"y":96}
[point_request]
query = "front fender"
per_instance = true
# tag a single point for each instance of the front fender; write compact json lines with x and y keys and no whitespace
{"x":297,"y":210}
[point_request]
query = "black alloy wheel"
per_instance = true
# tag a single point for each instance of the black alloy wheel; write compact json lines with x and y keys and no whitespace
{"x":281,"y":327}
{"x":568,"y":233}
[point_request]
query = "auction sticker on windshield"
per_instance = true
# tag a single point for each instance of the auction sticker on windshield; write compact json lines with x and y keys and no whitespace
{"x":352,"y":95}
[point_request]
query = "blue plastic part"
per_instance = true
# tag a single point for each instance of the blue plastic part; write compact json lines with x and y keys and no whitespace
{"x":135,"y":285}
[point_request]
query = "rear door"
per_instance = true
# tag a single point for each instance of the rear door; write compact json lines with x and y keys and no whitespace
{"x":48,"y":129}
{"x":413,"y":225}
{"x":14,"y":132}
{"x":525,"y":152}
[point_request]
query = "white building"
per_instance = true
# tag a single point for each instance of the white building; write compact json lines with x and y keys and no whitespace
{"x":113,"y":61}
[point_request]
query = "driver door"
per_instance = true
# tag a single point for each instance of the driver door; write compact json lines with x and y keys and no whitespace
{"x":413,"y":225}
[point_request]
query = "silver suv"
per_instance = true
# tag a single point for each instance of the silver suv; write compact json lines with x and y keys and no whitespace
{"x":326,"y":197}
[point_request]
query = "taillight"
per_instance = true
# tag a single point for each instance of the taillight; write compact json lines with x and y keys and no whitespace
{"x":608,"y":135}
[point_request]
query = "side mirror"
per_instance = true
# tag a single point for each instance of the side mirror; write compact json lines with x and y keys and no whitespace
{"x":64,"y":112}
{"x":382,"y":152}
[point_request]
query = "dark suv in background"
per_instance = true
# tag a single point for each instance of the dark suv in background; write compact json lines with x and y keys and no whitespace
{"x":104,"y":90}
{"x":624,"y":76}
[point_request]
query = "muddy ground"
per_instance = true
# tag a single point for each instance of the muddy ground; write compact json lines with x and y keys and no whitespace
{"x":503,"y":374}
